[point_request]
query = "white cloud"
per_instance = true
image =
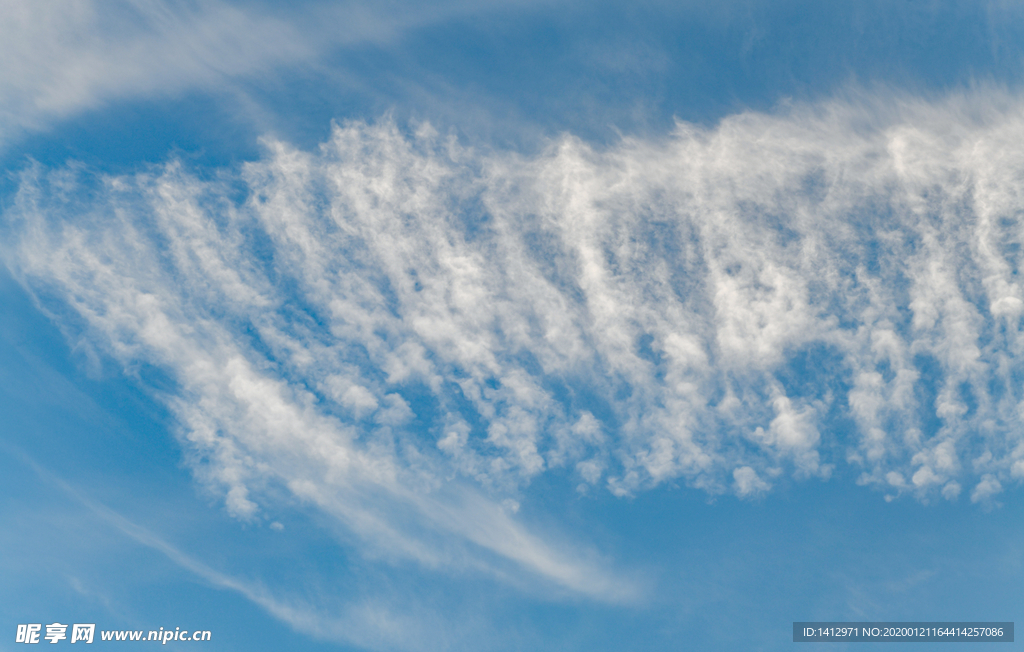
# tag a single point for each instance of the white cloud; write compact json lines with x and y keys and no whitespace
{"x":369,"y":622}
{"x":394,"y":326}
{"x":951,"y":491}
{"x":62,"y":57}
{"x":988,"y":487}
{"x":748,"y":482}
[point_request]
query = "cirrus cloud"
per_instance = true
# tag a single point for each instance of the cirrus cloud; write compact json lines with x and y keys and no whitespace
{"x":404,"y":331}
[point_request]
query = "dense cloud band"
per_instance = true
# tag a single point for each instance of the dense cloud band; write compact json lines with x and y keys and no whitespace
{"x":773,"y":297}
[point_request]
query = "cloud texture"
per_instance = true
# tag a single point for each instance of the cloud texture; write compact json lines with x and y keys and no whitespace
{"x":65,"y":57}
{"x":404,"y":331}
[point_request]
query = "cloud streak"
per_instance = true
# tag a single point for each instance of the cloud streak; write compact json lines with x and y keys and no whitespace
{"x":372,"y":623}
{"x":404,"y":331}
{"x":63,"y":57}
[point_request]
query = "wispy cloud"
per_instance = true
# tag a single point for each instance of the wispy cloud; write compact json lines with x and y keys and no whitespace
{"x":403,"y":331}
{"x":372,"y":623}
{"x":250,"y":423}
{"x":62,"y":57}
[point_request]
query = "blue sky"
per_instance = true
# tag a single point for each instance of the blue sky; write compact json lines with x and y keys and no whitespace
{"x":508,"y":326}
